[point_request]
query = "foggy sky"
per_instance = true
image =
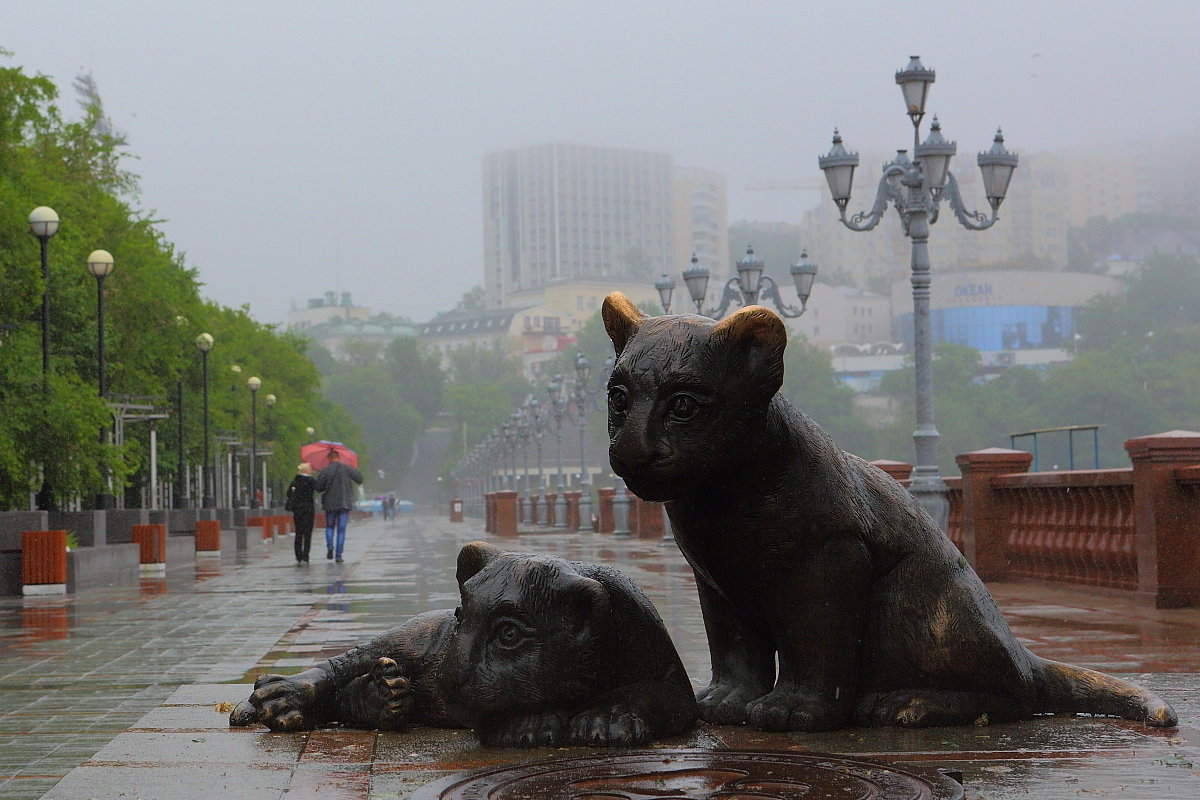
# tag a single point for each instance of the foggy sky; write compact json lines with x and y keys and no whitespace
{"x":296,"y":147}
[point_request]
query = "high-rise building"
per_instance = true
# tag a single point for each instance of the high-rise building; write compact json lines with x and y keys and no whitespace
{"x":567,"y":213}
{"x":564,"y":211}
{"x":699,"y":218}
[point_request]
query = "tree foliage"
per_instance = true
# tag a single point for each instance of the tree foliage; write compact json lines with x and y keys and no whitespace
{"x":391,"y":392}
{"x":1136,"y":371}
{"x":153,"y":311}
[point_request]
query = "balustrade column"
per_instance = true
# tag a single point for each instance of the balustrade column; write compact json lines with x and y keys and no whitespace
{"x":1168,"y":548}
{"x":986,"y":519}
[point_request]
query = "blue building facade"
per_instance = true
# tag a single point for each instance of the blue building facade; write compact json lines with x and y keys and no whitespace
{"x":989,"y":328}
{"x":995,"y":311}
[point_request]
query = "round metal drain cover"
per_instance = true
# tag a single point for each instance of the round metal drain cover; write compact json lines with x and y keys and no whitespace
{"x":692,"y":774}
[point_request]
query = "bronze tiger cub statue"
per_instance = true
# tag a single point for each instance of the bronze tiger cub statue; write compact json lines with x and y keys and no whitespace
{"x":809,"y":557}
{"x":541,"y":652}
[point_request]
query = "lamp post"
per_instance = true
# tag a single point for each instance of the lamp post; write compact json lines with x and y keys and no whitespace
{"x":538,"y":419}
{"x":558,"y":403}
{"x":585,"y":399}
{"x":270,"y":400}
{"x":43,"y":224}
{"x":204,"y":343}
{"x":748,"y":287}
{"x":180,"y":485}
{"x":916,"y":188}
{"x":100,"y":264}
{"x":523,"y":434}
{"x":254,"y":383}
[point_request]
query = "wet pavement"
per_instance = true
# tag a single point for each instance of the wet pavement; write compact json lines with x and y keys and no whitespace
{"x":112,"y":693}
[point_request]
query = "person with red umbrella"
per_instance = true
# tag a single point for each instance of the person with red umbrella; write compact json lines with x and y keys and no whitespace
{"x":337,"y":498}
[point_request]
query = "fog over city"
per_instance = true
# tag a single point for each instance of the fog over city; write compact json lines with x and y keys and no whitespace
{"x":291,"y":148}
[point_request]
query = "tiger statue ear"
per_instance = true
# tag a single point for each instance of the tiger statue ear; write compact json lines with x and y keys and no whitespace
{"x":758,"y":337}
{"x":621,"y":319}
{"x":473,"y":557}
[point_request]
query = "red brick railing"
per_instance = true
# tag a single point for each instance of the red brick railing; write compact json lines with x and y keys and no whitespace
{"x":1135,"y":529}
{"x":954,"y":521}
{"x":1076,"y":527}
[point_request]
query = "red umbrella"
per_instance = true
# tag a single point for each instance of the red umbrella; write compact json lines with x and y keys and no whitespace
{"x":317,"y":454}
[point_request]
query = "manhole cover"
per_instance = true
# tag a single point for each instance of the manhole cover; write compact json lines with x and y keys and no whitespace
{"x":695,"y":775}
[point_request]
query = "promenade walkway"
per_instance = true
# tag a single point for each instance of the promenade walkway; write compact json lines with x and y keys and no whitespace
{"x":112,"y":693}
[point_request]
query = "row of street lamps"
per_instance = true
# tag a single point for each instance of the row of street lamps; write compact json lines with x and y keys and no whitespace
{"x":43,"y":225}
{"x":492,"y":464}
{"x":915,"y":187}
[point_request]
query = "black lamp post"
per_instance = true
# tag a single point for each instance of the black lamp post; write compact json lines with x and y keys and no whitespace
{"x":585,"y":400}
{"x":181,"y":499}
{"x":100,"y":264}
{"x":43,"y":224}
{"x":204,"y":343}
{"x":254,"y":383}
{"x":270,"y":400}
{"x":558,"y":403}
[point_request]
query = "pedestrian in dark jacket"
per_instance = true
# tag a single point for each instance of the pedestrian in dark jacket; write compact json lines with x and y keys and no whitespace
{"x":337,"y":498}
{"x":300,"y":502}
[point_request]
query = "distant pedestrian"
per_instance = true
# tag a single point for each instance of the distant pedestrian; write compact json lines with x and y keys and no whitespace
{"x":300,"y":502}
{"x":389,"y":506}
{"x":337,"y":498}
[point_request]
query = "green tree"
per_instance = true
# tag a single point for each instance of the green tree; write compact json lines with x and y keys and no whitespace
{"x":484,"y":388}
{"x":810,"y":384}
{"x":153,"y":311}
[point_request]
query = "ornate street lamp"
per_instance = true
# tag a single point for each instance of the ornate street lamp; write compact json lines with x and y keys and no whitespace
{"x":524,"y":432}
{"x":43,"y":224}
{"x":585,"y":400}
{"x":665,"y":287}
{"x":558,"y":403}
{"x":915,"y":189}
{"x":537,"y":427}
{"x":100,"y":264}
{"x":204,"y":343}
{"x":748,"y":287}
{"x":254,"y":384}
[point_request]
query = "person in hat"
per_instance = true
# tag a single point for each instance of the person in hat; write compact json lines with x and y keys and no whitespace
{"x":300,"y":502}
{"x":337,"y":498}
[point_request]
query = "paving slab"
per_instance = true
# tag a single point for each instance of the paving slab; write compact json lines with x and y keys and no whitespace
{"x":115,"y":692}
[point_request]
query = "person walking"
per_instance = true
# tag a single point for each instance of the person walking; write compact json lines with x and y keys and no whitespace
{"x":337,"y":498}
{"x":300,"y":502}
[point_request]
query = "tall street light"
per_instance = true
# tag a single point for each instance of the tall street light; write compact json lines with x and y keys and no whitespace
{"x":585,"y":400}
{"x":100,"y":264}
{"x":254,"y":383}
{"x":270,"y":400}
{"x":555,"y":390}
{"x":204,"y":343}
{"x":43,"y":224}
{"x":748,"y":287}
{"x":915,"y":188}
